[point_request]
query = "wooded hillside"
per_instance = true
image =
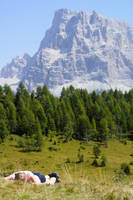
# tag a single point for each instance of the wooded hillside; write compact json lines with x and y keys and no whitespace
{"x":75,"y":114}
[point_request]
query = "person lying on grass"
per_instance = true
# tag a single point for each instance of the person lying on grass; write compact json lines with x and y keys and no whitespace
{"x":35,"y":178}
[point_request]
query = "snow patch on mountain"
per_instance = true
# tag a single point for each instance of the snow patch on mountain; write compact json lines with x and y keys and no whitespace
{"x":13,"y":82}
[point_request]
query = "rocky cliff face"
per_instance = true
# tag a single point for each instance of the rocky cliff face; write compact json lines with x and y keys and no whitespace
{"x":82,"y":49}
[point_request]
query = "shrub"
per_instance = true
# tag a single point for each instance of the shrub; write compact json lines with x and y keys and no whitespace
{"x":131,"y":163}
{"x":51,"y":148}
{"x":65,"y":140}
{"x":105,"y":144}
{"x":82,"y":147}
{"x":36,"y":162}
{"x":95,"y":163}
{"x":123,"y":141}
{"x":96,"y":151}
{"x":50,"y":140}
{"x":30,"y":143}
{"x":80,"y":158}
{"x":103,"y":161}
{"x":68,"y":160}
{"x":21,"y":143}
{"x":125,"y":168}
{"x":54,"y":143}
{"x":10,"y":138}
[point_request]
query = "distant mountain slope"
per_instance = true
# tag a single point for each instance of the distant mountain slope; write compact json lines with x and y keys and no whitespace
{"x":84,"y":49}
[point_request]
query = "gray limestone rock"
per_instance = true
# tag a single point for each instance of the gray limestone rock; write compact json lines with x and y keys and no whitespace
{"x":82,"y":49}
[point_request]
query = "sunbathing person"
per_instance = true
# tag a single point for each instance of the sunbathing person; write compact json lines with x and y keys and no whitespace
{"x":35,"y":178}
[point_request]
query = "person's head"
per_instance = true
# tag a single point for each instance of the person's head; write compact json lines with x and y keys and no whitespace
{"x":55,"y":174}
{"x":20,"y":176}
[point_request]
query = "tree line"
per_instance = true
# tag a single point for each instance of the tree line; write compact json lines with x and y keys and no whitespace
{"x":75,"y":114}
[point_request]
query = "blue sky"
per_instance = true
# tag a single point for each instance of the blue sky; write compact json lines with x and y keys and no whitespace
{"x":23,"y":23}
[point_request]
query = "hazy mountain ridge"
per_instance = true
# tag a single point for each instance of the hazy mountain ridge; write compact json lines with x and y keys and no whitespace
{"x":83,"y":49}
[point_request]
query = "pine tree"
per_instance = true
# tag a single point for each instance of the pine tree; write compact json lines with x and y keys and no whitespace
{"x":11,"y":116}
{"x":84,"y":127}
{"x":3,"y":131}
{"x":103,"y":130}
{"x":47,"y":106}
{"x":93,"y":95}
{"x":89,"y":107}
{"x":26,"y":124}
{"x":63,"y":93}
{"x":96,"y":112}
{"x":77,"y":105}
{"x":3,"y":115}
{"x":51,"y":123}
{"x":69,"y":109}
{"x":23,"y":93}
{"x":38,"y":136}
{"x":57,"y":119}
{"x":40,"y":114}
{"x":39,"y":93}
{"x":94,"y":133}
{"x":21,"y":110}
{"x":60,"y":117}
{"x":130,"y":127}
{"x":8,"y":93}
{"x":45,"y":91}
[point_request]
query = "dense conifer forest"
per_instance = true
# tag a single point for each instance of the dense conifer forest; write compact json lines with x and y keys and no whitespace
{"x":75,"y":114}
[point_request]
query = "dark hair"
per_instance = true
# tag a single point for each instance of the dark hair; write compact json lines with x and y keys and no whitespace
{"x":18,"y":176}
{"x":55,"y":174}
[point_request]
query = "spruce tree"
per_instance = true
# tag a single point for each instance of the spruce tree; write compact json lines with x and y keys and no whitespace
{"x":94,"y":134}
{"x":11,"y":116}
{"x":39,"y":113}
{"x":103,"y":130}
{"x":47,"y":106}
{"x":3,"y":131}
{"x":77,"y":105}
{"x":51,"y":123}
{"x":3,"y":115}
{"x":38,"y":136}
{"x":8,"y":93}
{"x":84,"y":127}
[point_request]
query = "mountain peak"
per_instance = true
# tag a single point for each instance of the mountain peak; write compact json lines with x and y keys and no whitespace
{"x":94,"y":18}
{"x":83,"y":49}
{"x":64,"y":11}
{"x":94,"y":13}
{"x":26,"y":56}
{"x":63,"y":14}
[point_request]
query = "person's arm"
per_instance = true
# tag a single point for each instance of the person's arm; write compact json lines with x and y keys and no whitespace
{"x":32,"y":180}
{"x":10,"y":177}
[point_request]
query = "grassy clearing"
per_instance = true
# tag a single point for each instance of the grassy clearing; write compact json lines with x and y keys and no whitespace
{"x":79,"y":181}
{"x":74,"y":189}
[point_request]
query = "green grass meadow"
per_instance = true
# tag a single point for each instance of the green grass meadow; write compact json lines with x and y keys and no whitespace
{"x":79,"y":180}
